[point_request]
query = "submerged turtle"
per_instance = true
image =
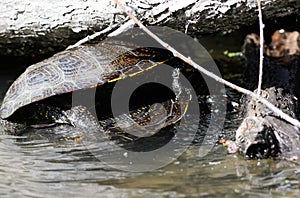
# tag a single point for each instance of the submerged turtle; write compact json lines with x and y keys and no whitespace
{"x":26,"y":103}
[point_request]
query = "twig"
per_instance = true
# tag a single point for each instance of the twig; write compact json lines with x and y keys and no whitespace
{"x":210,"y":74}
{"x":126,"y":26}
{"x":91,"y":37}
{"x":261,"y":49}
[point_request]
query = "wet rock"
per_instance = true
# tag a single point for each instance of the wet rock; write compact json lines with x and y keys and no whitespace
{"x":263,"y":134}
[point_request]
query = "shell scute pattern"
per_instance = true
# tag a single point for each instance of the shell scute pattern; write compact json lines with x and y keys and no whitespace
{"x":41,"y":94}
{"x":68,"y":86}
{"x":79,"y":71}
{"x":144,"y":65}
{"x":68,"y":64}
{"x":12,"y":93}
{"x":75,"y":69}
{"x":129,"y":63}
{"x":47,"y":76}
{"x":79,"y":68}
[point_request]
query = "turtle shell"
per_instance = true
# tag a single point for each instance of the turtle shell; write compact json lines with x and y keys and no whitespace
{"x":79,"y":68}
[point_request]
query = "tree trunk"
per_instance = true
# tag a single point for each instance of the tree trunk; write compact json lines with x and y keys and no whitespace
{"x":31,"y":27}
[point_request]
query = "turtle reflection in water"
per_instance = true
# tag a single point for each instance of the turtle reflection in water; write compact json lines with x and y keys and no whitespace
{"x":31,"y":99}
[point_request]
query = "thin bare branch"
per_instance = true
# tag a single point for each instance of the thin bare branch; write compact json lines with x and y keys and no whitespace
{"x":123,"y":28}
{"x":91,"y":37}
{"x":261,"y":49}
{"x":210,"y":74}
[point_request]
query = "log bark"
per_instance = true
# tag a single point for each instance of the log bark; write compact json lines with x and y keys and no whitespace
{"x":30,"y":27}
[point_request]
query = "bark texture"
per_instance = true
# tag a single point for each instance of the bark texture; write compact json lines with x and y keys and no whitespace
{"x":29,"y":27}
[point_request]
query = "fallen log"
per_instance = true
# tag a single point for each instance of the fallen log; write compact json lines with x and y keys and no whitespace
{"x":31,"y":27}
{"x":261,"y":133}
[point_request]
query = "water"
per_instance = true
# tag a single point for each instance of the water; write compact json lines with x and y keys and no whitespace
{"x":38,"y":167}
{"x":34,"y":165}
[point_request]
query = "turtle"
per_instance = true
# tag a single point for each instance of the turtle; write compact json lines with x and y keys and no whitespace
{"x":26,"y":103}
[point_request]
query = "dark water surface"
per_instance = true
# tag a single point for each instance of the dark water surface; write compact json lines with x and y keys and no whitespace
{"x":38,"y":167}
{"x":34,"y":165}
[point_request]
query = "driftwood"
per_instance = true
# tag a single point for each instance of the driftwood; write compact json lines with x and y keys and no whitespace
{"x":261,"y":133}
{"x":31,"y":27}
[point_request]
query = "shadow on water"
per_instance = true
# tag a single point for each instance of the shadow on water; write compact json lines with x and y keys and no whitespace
{"x":34,"y":165}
